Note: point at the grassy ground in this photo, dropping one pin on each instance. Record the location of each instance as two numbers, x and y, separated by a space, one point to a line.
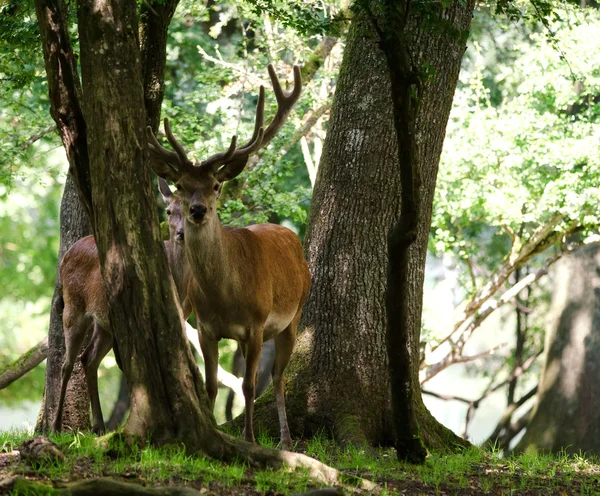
472 472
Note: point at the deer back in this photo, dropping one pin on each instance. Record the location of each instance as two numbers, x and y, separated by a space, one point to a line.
83 287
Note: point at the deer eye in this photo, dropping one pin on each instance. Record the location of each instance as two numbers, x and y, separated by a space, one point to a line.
168 212
216 187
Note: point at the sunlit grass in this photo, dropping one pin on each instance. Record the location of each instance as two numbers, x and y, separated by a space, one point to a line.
474 471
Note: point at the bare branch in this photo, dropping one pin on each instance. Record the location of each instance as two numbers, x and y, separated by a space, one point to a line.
504 421
532 247
447 397
453 358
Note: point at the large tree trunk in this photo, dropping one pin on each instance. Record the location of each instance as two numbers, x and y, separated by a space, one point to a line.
74 224
567 413
338 377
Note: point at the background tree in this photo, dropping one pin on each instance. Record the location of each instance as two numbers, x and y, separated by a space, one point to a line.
338 378
566 415
521 130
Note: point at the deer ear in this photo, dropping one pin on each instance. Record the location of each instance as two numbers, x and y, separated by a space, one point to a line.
165 191
232 170
164 170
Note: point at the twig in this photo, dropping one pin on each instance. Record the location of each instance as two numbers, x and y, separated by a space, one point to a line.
452 358
37 137
447 397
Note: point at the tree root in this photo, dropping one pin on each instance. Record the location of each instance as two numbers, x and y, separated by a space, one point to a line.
105 486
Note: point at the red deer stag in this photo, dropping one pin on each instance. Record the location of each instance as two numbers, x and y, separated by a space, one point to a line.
83 303
249 283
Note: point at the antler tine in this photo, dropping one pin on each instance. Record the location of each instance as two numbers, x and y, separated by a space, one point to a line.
183 160
285 101
255 142
160 151
213 162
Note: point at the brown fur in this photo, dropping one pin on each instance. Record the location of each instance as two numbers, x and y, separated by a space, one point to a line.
249 284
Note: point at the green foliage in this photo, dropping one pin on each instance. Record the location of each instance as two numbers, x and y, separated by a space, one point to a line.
306 17
517 153
24 105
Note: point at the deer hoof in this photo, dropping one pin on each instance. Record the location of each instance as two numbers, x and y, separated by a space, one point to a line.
99 430
287 444
248 436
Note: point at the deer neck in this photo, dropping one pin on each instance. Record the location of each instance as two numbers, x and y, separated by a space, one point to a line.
179 266
207 252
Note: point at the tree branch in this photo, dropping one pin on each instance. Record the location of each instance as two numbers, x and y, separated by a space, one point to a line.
504 421
26 362
64 89
453 358
37 136
532 247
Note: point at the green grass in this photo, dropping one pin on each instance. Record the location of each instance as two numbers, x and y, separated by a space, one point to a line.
473 471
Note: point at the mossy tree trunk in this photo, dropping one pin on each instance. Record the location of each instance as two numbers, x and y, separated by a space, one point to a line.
567 413
338 378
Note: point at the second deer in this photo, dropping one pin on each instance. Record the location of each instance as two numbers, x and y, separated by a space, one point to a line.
250 283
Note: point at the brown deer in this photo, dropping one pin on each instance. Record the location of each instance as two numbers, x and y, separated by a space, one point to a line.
83 303
249 284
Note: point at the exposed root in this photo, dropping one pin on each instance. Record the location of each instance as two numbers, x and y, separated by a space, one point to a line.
228 447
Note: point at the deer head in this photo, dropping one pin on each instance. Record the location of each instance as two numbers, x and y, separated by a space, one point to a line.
199 185
176 219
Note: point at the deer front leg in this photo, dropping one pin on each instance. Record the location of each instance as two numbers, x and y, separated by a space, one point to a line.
75 326
284 345
253 347
99 346
210 350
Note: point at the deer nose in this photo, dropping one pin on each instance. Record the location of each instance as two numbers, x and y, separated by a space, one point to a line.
197 212
179 235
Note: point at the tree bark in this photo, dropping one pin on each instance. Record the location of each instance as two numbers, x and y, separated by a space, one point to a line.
65 90
73 226
567 413
338 378
154 25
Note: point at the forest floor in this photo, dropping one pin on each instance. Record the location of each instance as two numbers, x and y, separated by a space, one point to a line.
474 471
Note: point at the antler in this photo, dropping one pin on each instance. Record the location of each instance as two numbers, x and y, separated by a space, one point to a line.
285 101
176 162
227 165
233 154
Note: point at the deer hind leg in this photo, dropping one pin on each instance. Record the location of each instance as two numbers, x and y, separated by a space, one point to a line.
99 346
284 345
210 350
252 355
75 326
